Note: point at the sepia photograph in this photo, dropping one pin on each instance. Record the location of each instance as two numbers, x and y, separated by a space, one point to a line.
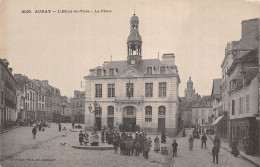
134 83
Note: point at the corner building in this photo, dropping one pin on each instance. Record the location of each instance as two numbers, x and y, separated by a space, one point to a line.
134 91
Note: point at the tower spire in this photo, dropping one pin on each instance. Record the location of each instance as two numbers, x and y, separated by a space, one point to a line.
134 10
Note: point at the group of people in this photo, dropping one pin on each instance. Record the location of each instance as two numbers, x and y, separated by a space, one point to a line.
42 125
216 142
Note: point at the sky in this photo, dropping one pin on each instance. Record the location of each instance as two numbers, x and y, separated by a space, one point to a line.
62 47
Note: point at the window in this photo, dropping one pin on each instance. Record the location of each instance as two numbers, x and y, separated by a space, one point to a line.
148 111
162 89
148 119
110 110
42 106
233 107
98 72
40 99
129 89
247 103
149 70
43 98
111 72
77 104
161 110
162 70
111 90
81 104
98 90
98 111
130 110
148 89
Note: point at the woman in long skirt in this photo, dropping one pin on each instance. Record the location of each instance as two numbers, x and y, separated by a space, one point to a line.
156 144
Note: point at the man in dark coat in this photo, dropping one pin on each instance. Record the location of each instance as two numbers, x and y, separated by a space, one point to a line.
215 151
163 137
81 137
103 135
203 140
174 148
59 127
34 131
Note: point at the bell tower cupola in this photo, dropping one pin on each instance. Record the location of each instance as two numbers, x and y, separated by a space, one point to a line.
134 42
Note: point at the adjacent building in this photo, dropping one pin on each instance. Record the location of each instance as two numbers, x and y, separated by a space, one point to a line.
78 107
7 94
240 89
134 91
38 100
202 112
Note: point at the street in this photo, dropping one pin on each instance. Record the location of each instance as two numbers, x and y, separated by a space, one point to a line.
19 149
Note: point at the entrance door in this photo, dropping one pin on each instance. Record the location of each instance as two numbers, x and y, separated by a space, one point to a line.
129 124
161 124
110 122
98 123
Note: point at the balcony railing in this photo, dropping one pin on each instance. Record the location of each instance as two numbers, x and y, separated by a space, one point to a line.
139 99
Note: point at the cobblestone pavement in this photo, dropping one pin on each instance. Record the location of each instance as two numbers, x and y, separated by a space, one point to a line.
47 151
202 157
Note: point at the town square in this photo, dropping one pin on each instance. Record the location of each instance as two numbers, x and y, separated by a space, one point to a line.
130 83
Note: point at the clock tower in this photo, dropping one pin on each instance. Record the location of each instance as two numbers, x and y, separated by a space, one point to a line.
134 42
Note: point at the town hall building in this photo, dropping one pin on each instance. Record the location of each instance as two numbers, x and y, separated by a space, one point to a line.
134 91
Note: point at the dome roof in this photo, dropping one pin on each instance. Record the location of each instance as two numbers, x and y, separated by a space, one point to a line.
190 81
134 18
134 36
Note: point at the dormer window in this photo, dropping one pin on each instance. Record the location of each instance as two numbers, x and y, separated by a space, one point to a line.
162 70
149 70
98 72
111 72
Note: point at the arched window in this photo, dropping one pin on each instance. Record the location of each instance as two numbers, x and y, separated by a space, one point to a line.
162 110
148 110
110 110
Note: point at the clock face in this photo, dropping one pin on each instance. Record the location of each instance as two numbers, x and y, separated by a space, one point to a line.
132 61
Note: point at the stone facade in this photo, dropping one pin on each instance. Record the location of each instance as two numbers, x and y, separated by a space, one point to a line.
7 94
132 92
78 106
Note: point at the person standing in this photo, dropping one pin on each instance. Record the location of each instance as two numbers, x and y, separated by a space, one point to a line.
174 148
163 137
64 131
191 142
156 144
81 137
34 131
215 151
203 140
103 135
216 141
73 124
59 127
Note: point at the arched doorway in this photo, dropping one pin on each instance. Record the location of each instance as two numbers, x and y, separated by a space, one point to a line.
129 118
161 118
110 117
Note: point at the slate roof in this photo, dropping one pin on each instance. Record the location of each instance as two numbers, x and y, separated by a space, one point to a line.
216 88
122 66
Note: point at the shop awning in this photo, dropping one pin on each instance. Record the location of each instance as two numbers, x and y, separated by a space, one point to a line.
217 120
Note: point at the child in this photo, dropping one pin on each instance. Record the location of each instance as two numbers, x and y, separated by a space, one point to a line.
174 148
